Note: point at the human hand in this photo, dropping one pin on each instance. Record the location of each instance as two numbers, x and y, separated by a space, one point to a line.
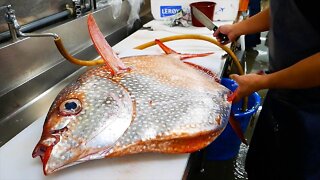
228 30
247 84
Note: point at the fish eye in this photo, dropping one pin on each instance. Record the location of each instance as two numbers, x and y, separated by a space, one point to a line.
70 107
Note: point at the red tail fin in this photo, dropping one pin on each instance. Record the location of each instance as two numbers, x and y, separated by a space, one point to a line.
235 124
237 129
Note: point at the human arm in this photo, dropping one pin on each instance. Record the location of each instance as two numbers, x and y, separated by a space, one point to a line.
304 74
257 23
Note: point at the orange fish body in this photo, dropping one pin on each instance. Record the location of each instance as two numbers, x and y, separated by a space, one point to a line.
157 104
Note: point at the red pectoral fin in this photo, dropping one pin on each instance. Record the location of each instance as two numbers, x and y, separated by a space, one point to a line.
168 50
112 61
237 129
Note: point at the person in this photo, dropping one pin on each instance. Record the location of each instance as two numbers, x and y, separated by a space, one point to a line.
252 40
286 140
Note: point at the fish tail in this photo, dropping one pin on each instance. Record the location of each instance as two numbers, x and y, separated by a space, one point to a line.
236 127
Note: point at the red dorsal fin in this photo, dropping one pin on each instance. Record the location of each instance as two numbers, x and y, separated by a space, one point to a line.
112 62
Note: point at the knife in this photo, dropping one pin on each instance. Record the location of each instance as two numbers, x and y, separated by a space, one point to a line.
208 23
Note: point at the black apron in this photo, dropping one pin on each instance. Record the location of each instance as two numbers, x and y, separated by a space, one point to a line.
286 141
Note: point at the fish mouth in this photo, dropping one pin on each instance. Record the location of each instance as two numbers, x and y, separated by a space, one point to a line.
43 150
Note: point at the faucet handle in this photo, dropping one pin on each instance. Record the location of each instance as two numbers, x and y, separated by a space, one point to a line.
10 16
9 10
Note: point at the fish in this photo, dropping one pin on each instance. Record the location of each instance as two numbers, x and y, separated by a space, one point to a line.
137 104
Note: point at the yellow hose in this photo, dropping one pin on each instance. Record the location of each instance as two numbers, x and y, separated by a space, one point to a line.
70 58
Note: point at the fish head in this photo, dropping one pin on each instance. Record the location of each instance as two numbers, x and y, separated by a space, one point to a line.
84 122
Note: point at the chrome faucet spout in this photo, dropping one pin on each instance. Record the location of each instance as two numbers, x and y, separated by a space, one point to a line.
21 34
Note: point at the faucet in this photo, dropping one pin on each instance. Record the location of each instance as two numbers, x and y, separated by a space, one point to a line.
14 26
16 32
12 22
